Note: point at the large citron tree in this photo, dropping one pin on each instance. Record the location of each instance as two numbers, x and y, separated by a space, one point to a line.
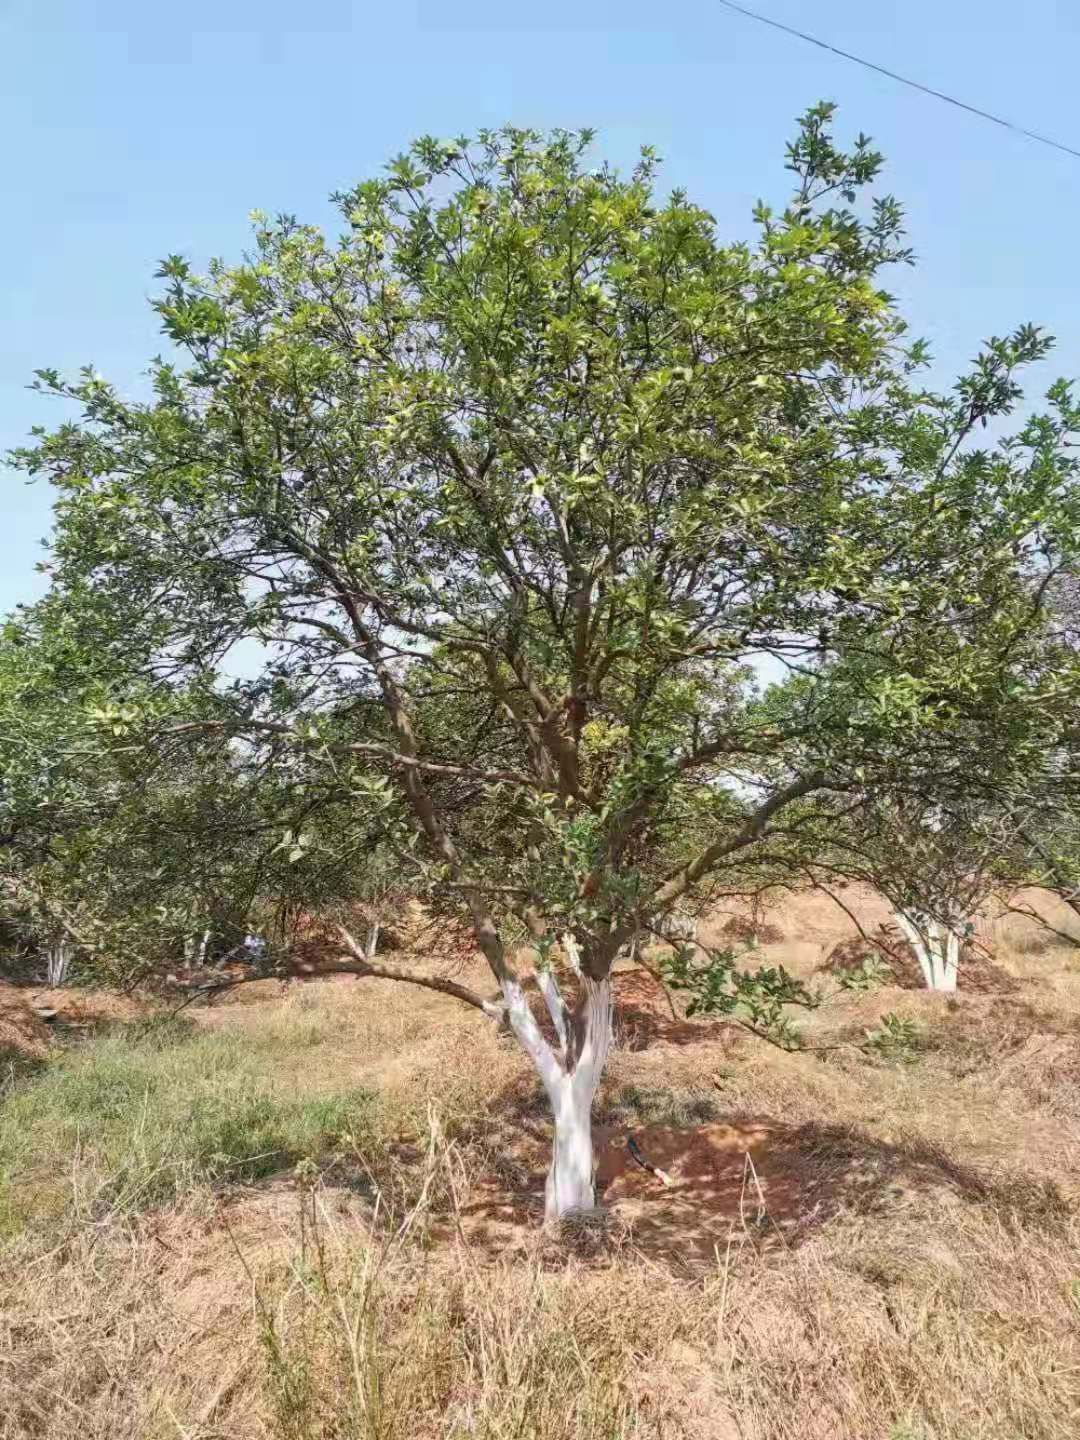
518 485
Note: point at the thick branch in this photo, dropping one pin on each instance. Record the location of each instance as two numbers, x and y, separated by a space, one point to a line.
360 965
553 999
678 883
375 752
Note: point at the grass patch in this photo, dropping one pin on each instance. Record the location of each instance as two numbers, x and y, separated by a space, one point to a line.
16 1066
658 1105
939 1301
147 1113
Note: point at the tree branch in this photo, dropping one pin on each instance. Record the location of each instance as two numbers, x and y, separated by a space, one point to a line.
753 830
360 965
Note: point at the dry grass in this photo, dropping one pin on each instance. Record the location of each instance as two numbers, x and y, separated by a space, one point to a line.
928 1287
944 1324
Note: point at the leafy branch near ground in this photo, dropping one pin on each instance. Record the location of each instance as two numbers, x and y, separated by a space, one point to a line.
757 1000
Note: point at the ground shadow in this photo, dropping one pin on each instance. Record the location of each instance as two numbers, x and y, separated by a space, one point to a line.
749 1181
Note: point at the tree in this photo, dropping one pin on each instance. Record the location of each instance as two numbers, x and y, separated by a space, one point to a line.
937 867
514 485
109 854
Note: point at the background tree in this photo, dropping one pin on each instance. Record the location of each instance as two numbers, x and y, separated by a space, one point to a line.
532 437
115 855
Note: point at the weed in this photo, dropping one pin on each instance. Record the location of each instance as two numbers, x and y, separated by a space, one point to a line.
894 1038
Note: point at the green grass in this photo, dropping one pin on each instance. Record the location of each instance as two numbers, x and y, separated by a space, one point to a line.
658 1105
145 1114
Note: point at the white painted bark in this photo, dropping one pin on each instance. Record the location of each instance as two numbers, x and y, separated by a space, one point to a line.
936 947
677 926
573 952
372 941
569 1186
951 961
58 961
570 1079
549 989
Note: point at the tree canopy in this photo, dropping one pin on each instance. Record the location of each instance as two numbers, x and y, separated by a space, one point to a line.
502 500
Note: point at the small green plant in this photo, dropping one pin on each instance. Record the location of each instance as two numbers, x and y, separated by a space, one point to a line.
907 1430
894 1038
871 972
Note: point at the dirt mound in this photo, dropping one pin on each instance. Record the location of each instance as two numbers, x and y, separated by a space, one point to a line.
32 1018
405 926
723 1181
746 928
85 1008
1047 1068
1015 1046
24 1035
803 917
682 1195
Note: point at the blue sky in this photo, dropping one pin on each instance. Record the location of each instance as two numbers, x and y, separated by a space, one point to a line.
134 129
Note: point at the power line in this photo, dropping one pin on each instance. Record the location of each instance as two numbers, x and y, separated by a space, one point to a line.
892 75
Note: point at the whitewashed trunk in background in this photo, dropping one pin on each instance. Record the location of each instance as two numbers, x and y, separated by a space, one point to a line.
570 1075
678 927
371 941
936 947
195 950
58 961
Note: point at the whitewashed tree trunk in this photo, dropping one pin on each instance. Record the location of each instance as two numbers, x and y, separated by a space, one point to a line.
371 941
936 947
570 1074
678 927
58 961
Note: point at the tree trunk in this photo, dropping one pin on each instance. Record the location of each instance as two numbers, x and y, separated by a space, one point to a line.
58 961
569 1185
936 947
571 1076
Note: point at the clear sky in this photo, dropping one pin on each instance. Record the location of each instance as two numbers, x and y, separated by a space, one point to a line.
131 129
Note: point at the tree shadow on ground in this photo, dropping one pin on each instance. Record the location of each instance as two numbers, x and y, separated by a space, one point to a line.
750 1182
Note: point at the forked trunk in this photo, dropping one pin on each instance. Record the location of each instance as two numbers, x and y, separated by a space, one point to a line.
58 961
570 1074
936 947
